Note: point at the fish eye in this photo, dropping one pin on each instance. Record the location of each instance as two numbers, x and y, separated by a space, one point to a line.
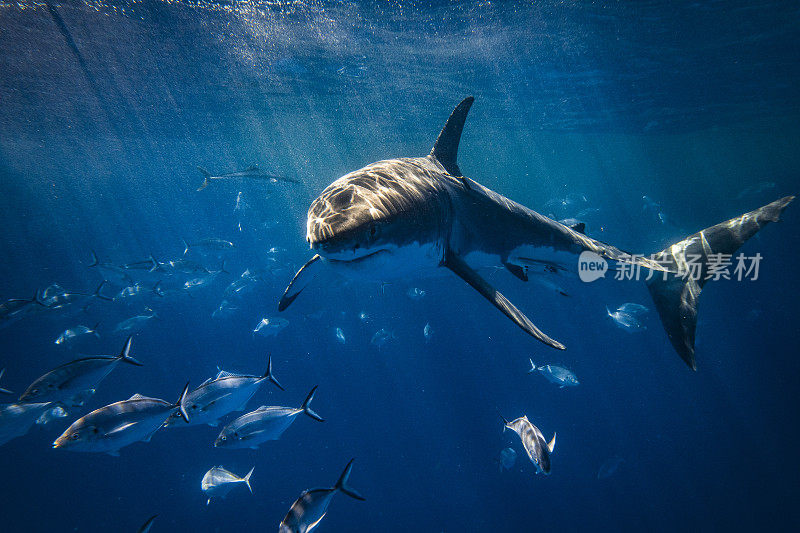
74 436
95 431
223 438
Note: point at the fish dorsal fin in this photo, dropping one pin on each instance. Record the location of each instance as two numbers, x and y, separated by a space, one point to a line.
445 149
262 408
138 396
224 374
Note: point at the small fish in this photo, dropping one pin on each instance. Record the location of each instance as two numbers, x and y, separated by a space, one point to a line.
218 482
340 336
224 310
2 390
131 291
269 327
252 172
122 423
262 425
147 525
609 467
625 321
427 332
69 383
381 337
363 316
632 308
556 374
71 334
222 395
312 505
135 323
508 458
196 283
16 419
537 448
187 266
209 244
415 294
51 414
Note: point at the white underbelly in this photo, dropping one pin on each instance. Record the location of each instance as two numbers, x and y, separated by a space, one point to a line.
409 261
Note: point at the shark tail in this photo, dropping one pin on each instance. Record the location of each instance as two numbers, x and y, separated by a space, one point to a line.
246 479
695 260
306 407
206 178
270 376
342 485
94 262
125 356
533 367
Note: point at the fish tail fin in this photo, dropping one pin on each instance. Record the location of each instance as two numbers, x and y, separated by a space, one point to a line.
154 262
533 367
185 246
552 444
101 296
222 268
4 391
247 479
306 407
37 297
125 356
505 422
181 403
692 262
206 178
270 376
94 330
342 485
158 290
94 262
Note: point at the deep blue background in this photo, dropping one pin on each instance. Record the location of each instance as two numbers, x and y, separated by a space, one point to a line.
106 111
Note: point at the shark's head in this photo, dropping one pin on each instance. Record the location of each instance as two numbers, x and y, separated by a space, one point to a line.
378 211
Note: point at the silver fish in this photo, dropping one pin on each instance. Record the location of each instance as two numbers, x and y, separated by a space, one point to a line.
210 244
122 423
556 374
632 308
252 172
310 508
71 334
222 395
415 294
50 415
269 327
340 336
218 482
537 448
381 337
70 383
262 425
135 323
224 310
625 321
609 467
16 419
508 458
427 332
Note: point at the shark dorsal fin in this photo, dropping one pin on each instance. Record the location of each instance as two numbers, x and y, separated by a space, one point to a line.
445 150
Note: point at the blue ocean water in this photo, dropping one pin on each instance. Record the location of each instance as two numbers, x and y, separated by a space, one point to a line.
582 109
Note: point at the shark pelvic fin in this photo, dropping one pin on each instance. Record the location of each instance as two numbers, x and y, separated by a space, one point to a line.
465 272
445 149
299 282
676 295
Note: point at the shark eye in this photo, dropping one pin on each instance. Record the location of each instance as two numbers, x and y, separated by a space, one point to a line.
373 230
74 436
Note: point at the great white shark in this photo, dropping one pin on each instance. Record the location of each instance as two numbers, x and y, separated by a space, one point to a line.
400 217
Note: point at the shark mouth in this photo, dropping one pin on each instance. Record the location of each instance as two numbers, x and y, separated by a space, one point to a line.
356 260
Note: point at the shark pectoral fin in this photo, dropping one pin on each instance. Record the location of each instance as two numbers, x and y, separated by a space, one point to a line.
299 282
519 271
465 272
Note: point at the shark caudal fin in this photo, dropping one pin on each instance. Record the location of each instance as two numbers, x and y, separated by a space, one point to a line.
206 178
694 259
